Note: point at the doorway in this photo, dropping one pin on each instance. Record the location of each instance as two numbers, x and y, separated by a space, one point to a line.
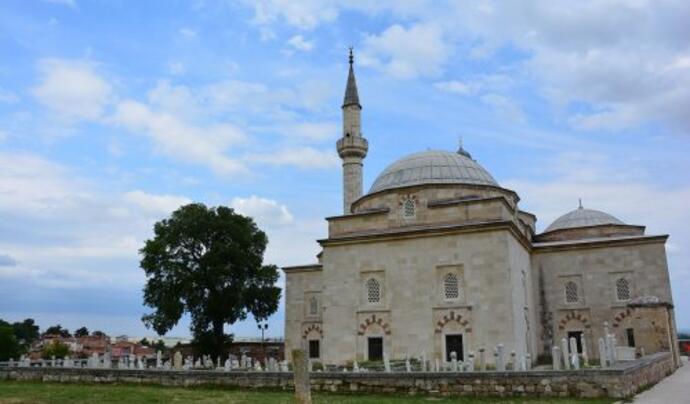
454 344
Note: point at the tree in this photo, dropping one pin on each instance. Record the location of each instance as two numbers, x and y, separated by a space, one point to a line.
99 334
82 332
26 332
10 348
57 330
144 342
207 262
159 345
55 348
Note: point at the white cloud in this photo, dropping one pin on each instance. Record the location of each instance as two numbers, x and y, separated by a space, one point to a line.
177 68
188 33
403 52
7 261
8 97
175 138
70 3
266 212
301 14
71 89
301 157
504 107
298 42
158 204
312 131
455 86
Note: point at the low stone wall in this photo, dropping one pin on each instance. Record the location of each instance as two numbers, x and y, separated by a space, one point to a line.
623 380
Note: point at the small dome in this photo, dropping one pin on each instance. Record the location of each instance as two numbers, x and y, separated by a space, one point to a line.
432 167
582 217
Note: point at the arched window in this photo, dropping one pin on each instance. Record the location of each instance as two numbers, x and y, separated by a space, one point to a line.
451 290
622 289
313 306
373 291
408 209
571 292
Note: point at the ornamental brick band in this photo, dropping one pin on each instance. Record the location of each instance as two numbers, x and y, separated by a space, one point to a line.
621 381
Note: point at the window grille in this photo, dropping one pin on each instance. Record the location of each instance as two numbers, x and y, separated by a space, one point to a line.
313 306
622 289
571 292
373 291
451 289
408 209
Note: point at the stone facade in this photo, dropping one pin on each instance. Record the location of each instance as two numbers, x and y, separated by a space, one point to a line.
624 380
439 257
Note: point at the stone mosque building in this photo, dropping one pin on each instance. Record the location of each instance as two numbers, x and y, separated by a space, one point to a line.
438 257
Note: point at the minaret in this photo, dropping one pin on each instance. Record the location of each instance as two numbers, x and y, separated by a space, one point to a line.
352 147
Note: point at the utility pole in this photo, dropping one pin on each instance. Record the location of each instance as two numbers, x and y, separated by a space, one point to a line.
263 327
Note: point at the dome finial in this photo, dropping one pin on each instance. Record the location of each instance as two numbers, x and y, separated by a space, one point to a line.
461 150
580 201
352 57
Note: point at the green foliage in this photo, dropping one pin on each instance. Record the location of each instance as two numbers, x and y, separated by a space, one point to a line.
10 348
98 334
26 331
57 330
82 332
159 345
683 335
144 342
207 262
56 349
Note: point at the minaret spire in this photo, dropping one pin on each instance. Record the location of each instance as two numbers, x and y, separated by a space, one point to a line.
351 93
352 147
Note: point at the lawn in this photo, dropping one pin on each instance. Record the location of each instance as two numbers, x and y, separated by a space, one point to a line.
30 392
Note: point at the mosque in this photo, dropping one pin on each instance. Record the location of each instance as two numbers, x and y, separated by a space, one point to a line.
438 257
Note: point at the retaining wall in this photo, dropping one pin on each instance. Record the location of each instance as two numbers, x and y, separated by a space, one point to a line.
622 380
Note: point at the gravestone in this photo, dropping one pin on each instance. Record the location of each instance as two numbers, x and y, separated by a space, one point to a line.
585 354
574 357
437 367
603 354
386 363
407 365
482 359
159 359
454 361
301 375
513 360
500 358
177 360
528 362
355 367
556 357
566 354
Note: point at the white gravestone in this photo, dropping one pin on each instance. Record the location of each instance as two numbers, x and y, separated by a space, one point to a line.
500 358
574 357
556 357
566 354
603 354
482 360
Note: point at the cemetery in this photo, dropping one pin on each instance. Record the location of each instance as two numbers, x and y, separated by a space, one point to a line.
571 373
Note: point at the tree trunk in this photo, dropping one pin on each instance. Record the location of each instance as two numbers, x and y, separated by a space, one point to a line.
218 340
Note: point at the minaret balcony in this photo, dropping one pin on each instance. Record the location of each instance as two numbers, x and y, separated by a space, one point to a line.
352 146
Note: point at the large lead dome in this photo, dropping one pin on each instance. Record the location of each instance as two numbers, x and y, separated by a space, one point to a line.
433 167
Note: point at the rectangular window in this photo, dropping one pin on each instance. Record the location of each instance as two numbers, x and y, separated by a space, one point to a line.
314 349
630 336
578 339
375 348
454 344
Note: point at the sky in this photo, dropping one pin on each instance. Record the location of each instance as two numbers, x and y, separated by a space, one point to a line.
114 113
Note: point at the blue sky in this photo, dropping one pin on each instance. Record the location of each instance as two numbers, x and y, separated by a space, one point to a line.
113 114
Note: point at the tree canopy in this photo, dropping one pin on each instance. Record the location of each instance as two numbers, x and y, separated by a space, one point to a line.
207 262
81 332
57 330
10 348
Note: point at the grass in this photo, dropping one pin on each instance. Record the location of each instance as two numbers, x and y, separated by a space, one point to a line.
56 393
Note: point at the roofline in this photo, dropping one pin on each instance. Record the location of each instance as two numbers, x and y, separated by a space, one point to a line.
430 231
370 212
434 184
551 246
594 226
524 212
303 268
